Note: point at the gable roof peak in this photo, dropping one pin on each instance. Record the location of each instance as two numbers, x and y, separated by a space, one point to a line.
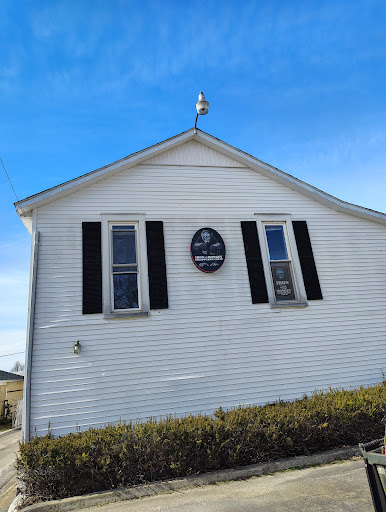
25 206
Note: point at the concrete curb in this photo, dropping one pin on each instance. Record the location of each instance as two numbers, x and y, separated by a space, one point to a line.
9 431
130 493
14 506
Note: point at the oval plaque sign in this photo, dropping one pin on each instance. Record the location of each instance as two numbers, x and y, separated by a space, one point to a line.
207 250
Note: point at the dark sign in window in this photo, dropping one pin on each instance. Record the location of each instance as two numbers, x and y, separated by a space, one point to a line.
282 281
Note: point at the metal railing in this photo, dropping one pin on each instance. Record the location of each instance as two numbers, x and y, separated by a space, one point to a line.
375 463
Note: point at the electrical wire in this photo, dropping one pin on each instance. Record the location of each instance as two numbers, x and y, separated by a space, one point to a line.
10 182
14 354
9 179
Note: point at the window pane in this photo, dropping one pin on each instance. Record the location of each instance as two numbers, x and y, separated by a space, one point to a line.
124 247
125 291
276 243
124 228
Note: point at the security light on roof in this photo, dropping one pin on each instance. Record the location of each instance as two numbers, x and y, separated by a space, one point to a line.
202 107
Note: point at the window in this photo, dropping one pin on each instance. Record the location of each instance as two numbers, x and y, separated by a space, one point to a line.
125 284
124 269
281 263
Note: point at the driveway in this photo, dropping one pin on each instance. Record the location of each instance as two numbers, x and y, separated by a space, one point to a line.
8 448
339 487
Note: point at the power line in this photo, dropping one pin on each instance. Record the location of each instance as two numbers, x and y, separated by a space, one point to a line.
14 354
10 182
9 179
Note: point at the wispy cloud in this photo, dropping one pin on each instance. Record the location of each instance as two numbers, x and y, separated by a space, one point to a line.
346 167
113 48
96 69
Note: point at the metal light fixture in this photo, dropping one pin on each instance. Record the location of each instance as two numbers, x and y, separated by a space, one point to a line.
202 107
77 347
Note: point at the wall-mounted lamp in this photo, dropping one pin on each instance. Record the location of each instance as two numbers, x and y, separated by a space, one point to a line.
77 347
202 107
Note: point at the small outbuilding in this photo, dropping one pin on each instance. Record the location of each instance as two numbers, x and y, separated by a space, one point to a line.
190 276
11 392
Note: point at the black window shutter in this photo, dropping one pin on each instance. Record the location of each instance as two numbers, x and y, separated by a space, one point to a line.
92 267
307 262
254 262
158 287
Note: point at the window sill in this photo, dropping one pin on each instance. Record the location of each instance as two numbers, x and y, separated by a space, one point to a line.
293 305
126 314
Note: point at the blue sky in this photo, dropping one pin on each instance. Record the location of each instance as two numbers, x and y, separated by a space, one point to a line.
300 85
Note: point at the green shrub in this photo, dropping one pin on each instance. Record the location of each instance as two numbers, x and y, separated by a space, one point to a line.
133 453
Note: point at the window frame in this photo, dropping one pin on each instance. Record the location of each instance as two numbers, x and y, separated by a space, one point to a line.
138 221
284 220
114 267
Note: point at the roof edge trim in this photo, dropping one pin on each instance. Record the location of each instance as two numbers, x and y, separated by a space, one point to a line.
290 181
69 187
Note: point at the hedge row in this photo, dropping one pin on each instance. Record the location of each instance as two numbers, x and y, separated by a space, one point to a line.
133 453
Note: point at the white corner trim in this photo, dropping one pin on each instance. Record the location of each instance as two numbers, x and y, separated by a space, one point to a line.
30 330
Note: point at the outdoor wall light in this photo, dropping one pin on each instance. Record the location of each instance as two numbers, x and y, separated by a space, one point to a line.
202 107
77 347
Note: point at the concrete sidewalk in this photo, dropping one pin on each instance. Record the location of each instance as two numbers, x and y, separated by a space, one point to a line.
337 487
9 445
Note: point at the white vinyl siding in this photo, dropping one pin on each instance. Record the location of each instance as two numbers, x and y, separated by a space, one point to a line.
193 153
212 347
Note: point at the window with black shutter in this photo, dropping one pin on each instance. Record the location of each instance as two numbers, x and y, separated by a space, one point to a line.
124 268
92 268
280 261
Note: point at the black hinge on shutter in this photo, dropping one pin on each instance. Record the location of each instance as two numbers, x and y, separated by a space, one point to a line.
307 262
158 288
92 268
254 262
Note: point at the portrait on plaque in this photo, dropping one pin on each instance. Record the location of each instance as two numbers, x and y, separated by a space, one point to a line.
207 250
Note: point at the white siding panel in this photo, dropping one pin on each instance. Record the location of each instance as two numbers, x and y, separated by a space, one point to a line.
212 347
193 153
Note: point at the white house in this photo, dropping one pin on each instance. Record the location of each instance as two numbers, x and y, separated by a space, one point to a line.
195 276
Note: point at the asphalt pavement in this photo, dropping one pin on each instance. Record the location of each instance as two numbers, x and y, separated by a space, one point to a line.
8 449
338 487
